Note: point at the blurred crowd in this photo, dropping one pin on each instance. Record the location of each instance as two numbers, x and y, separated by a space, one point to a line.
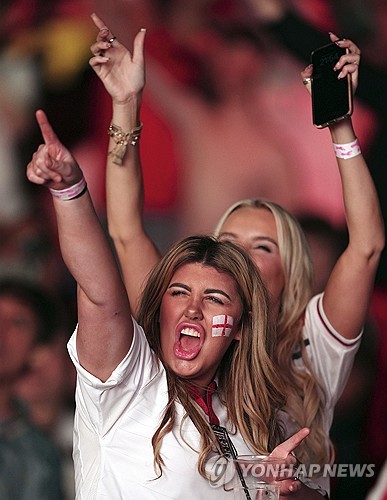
223 102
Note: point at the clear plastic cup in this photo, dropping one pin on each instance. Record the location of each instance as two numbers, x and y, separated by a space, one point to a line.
255 477
258 490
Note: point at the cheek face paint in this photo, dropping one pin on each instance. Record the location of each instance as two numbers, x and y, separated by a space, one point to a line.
222 325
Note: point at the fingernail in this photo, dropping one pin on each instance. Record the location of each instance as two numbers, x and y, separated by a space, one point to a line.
340 75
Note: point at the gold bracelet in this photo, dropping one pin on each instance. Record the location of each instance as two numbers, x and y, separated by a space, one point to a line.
122 139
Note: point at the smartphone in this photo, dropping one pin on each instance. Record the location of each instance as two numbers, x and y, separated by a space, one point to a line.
331 97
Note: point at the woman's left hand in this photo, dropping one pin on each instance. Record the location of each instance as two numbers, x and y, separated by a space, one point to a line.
348 64
289 485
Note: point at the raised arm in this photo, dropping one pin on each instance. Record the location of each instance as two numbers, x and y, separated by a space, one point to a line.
349 288
123 76
105 327
300 37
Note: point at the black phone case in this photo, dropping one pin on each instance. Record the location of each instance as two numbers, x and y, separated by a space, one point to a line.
331 97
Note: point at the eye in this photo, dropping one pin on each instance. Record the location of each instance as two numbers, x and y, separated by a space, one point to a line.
265 248
214 299
178 292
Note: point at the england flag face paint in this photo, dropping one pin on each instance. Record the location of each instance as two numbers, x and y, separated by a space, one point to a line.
222 325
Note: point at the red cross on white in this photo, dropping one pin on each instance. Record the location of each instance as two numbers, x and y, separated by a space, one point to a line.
222 325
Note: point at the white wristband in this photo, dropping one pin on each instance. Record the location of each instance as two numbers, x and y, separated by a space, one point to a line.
71 192
346 151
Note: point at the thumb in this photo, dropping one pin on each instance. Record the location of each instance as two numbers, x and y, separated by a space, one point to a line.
138 46
285 448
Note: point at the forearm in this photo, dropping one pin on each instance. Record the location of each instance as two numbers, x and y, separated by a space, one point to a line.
362 210
349 288
124 185
124 191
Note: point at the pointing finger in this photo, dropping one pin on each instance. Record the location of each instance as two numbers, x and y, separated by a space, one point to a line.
104 32
48 133
283 450
97 21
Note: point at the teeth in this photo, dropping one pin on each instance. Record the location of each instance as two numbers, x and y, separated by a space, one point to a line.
190 332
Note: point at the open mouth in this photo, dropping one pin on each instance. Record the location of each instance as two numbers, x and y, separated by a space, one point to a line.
189 343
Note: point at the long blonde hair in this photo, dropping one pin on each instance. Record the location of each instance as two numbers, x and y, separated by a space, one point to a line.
248 382
305 395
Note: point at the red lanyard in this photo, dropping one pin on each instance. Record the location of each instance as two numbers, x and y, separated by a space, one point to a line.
221 433
206 402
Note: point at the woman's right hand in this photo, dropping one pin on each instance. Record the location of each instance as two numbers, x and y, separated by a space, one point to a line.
52 165
121 72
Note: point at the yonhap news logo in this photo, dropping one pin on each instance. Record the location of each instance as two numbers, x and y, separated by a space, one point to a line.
223 472
220 471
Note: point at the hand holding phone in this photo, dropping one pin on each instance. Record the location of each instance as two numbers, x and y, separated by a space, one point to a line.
331 96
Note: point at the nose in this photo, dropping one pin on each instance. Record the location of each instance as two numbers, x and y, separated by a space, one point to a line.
193 310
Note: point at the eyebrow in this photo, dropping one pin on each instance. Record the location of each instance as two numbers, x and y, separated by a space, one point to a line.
207 291
255 238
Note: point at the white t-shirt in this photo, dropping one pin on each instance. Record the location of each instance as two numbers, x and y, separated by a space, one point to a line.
114 424
115 420
331 356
